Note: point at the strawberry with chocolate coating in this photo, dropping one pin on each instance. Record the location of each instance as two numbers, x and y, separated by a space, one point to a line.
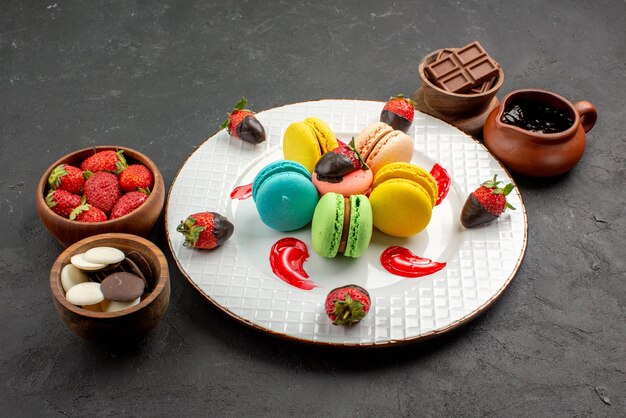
398 113
243 124
108 160
347 305
205 230
67 177
338 162
486 203
62 202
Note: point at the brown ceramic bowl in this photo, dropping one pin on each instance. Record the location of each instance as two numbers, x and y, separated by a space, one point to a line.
455 104
125 326
139 222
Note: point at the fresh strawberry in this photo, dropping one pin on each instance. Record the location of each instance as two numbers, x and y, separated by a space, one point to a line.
347 305
87 213
206 230
68 178
128 203
102 190
243 124
135 177
398 113
112 161
486 203
62 202
340 161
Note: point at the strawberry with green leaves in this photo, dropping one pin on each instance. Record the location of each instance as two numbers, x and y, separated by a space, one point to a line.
347 305
398 113
128 203
205 230
87 213
486 203
62 202
340 161
242 124
136 177
66 177
108 160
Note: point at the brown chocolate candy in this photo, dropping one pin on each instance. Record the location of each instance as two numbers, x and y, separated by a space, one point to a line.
460 70
142 264
122 287
129 266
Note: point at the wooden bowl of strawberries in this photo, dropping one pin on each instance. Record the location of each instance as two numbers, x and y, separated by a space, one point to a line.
98 190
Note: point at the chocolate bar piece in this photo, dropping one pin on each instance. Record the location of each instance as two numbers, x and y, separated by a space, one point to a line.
460 70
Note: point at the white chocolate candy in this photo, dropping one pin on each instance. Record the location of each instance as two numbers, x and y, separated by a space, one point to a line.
71 276
113 306
104 255
79 261
85 294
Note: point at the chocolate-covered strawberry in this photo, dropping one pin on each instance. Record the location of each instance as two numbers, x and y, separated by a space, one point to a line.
337 163
486 203
243 124
205 230
347 305
68 178
398 113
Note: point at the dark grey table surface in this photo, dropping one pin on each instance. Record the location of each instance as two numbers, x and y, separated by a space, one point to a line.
159 77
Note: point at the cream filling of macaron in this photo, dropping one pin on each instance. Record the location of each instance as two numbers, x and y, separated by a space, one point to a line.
345 232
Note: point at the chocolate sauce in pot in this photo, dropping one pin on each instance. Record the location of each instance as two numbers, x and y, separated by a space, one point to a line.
537 117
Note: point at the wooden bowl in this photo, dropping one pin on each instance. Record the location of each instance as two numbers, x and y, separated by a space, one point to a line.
455 104
139 222
125 326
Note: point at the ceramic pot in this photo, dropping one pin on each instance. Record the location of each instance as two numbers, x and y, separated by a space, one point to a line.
539 154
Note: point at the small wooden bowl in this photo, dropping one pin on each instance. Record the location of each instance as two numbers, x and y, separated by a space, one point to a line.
115 328
139 222
455 104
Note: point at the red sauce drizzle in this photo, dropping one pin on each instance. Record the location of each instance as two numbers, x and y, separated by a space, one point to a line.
241 192
402 262
442 178
286 258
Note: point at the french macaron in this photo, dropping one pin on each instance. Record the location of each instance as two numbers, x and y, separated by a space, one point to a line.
284 195
379 144
342 171
305 142
402 198
342 225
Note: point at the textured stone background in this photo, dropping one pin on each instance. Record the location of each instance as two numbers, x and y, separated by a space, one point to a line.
158 76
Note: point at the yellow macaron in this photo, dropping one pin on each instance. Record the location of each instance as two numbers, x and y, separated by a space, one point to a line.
402 199
305 142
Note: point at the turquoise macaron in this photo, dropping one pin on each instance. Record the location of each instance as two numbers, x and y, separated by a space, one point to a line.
342 225
284 195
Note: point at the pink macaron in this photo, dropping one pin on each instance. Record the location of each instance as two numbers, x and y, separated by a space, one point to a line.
356 182
379 144
342 171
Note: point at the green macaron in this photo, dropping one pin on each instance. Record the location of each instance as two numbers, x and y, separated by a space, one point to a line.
342 225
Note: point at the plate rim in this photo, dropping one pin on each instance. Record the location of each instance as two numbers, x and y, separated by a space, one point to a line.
361 345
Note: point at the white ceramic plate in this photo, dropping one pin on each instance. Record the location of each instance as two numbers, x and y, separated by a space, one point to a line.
237 277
